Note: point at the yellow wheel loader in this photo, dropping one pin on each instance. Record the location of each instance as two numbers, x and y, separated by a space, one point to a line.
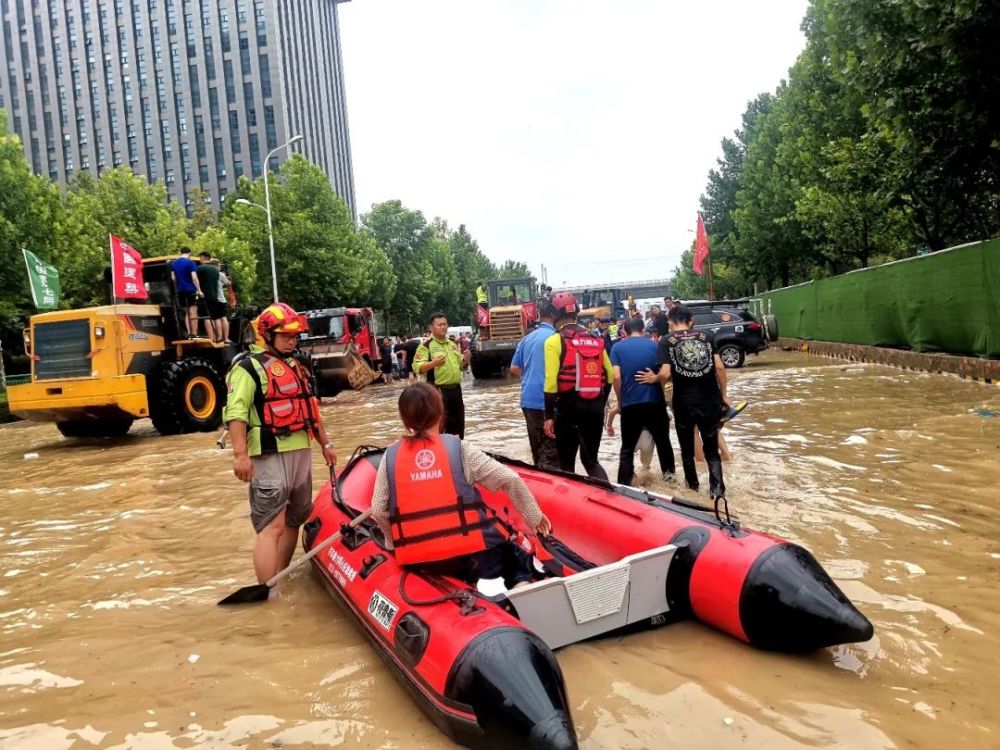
97 369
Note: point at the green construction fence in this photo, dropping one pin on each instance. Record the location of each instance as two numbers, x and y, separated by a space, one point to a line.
948 301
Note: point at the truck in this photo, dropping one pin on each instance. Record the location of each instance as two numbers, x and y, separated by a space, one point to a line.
342 348
95 370
512 312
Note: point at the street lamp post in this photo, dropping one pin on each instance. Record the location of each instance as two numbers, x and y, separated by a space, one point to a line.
267 208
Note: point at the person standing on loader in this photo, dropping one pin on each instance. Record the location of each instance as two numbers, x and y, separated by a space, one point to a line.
184 274
578 379
272 414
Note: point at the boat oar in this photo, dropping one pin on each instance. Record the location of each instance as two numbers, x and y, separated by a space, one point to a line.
259 591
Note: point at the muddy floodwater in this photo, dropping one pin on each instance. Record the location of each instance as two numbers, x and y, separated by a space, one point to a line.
113 554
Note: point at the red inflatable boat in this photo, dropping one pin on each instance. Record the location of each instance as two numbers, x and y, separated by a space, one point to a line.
482 667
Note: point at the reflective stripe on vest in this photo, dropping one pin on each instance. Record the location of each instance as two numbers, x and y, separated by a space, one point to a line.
582 367
434 512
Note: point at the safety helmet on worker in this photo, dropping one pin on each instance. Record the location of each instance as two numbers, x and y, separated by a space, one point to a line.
562 304
280 318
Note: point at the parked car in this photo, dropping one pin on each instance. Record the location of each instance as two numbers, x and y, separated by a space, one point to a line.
734 332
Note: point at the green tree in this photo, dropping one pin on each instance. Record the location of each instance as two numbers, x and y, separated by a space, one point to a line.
119 203
321 258
769 239
727 281
470 267
718 202
446 293
928 75
235 253
30 216
405 237
203 215
513 269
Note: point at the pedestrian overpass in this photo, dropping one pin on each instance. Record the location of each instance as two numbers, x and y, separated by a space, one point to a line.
645 288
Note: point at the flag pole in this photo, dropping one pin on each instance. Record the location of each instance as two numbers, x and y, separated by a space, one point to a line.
27 266
111 249
711 286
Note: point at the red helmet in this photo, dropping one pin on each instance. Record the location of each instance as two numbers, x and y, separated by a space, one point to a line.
563 303
280 318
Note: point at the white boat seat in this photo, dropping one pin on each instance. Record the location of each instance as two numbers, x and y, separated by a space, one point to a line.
586 604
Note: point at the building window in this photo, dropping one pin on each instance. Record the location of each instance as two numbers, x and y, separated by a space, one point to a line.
270 128
227 68
265 76
220 160
254 156
209 59
213 105
195 90
234 130
203 173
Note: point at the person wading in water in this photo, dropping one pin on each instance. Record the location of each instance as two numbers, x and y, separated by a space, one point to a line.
272 413
699 399
578 379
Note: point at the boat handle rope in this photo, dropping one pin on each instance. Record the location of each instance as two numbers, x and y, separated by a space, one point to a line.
728 525
466 600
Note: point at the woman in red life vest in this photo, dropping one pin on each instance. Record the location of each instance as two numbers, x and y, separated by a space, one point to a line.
426 501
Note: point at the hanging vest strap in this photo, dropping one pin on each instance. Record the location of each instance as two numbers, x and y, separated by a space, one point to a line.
268 440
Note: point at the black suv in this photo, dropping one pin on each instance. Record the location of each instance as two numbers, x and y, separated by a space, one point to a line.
734 332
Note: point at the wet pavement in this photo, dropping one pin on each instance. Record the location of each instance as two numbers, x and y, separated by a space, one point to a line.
113 554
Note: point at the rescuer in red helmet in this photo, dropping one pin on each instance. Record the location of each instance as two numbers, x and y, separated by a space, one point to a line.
272 414
578 378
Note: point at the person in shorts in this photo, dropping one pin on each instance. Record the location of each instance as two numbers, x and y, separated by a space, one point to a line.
184 273
209 283
272 415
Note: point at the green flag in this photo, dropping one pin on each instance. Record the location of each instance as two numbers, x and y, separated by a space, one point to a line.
44 280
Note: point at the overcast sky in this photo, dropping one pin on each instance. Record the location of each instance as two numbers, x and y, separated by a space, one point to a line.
573 133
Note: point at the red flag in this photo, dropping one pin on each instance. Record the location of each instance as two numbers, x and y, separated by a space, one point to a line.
482 316
126 271
529 312
700 247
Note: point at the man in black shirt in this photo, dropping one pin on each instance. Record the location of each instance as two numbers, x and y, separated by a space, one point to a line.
699 401
410 347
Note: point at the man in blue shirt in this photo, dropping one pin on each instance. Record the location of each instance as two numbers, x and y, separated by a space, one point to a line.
642 405
529 365
183 271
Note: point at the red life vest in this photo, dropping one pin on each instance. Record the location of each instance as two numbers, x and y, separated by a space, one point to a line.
288 405
434 512
582 367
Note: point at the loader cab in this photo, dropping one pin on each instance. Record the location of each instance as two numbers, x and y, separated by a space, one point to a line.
160 287
598 304
510 292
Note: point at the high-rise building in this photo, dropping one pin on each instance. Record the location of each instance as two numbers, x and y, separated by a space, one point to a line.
191 92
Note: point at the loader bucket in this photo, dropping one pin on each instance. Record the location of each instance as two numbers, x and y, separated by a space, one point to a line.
338 367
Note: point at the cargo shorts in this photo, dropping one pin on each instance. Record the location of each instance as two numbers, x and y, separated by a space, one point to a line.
281 481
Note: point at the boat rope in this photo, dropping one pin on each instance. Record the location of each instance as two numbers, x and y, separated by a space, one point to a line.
726 523
465 599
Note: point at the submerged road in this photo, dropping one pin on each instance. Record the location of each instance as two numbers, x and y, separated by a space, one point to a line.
113 554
